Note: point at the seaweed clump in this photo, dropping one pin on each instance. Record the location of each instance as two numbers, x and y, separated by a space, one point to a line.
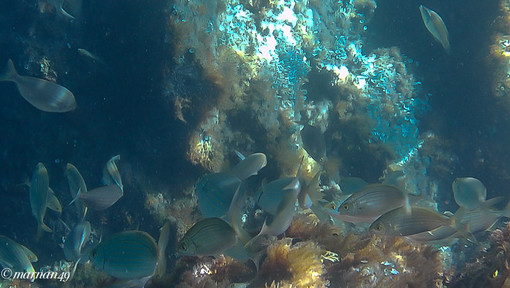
364 260
293 265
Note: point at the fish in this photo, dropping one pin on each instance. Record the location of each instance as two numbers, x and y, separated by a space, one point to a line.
271 195
482 218
469 192
39 186
76 183
90 55
436 27
164 236
52 201
100 198
58 4
126 255
76 240
370 202
278 223
16 256
208 237
111 174
42 94
249 166
399 222
314 142
239 250
215 192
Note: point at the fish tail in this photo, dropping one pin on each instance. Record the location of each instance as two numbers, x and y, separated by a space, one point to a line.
45 227
10 72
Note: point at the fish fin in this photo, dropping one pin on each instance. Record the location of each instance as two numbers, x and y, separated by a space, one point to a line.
31 255
162 244
407 204
234 215
10 72
493 201
76 197
45 227
52 202
74 269
64 13
241 156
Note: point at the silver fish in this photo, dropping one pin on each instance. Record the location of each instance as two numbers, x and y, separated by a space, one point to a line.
76 183
16 256
249 166
75 241
111 174
481 218
42 94
100 198
208 237
369 203
90 55
164 236
126 255
215 192
271 195
39 186
469 192
436 27
279 222
399 222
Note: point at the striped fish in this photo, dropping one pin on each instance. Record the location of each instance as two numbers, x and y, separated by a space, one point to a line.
16 256
208 237
215 192
400 222
126 255
372 201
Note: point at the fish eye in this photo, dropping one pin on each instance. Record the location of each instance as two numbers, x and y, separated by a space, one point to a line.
182 246
345 206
